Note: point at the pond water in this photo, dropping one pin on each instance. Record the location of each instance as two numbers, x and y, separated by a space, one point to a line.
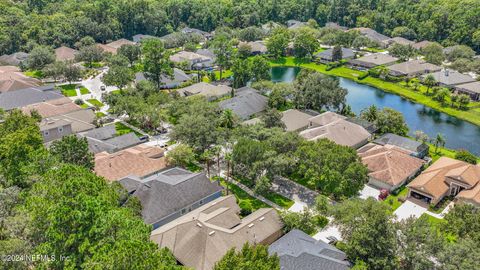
458 133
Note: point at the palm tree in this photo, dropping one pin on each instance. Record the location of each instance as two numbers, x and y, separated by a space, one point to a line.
370 113
207 157
228 158
439 140
454 98
429 81
228 118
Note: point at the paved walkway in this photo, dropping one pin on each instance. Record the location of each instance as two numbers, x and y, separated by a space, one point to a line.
294 191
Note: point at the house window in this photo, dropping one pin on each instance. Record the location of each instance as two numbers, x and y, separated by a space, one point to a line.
60 129
46 133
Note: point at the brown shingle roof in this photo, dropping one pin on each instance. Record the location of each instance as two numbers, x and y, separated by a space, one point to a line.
52 107
65 53
389 164
12 79
201 237
433 180
295 120
140 160
119 43
470 195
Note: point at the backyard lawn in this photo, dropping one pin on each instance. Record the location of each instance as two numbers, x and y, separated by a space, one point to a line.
95 102
272 196
100 114
37 74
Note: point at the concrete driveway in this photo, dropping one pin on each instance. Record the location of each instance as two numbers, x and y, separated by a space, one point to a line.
409 209
330 230
368 192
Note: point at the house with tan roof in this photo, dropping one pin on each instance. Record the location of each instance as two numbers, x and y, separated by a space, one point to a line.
12 79
422 44
472 89
57 126
65 53
113 46
373 60
398 40
52 107
256 47
194 60
140 160
296 120
336 128
389 167
210 91
202 237
413 68
447 177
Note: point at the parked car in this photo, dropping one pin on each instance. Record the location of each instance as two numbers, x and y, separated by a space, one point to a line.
102 88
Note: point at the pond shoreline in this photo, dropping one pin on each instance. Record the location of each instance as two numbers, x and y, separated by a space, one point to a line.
472 115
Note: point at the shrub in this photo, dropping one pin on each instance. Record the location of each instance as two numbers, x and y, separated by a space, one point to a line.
246 208
363 75
466 156
79 102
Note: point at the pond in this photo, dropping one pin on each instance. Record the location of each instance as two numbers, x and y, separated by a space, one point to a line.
458 133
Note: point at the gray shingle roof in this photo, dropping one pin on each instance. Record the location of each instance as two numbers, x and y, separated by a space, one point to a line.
451 77
13 59
139 37
23 97
105 139
179 76
247 102
402 142
328 54
169 191
299 251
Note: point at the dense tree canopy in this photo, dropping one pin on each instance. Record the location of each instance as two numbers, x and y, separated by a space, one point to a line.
56 23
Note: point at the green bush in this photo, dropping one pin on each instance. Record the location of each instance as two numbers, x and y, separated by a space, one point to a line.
363 75
246 208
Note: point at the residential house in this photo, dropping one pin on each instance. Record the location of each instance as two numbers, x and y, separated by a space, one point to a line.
193 60
256 47
397 40
422 44
327 55
119 43
55 129
140 37
336 128
210 91
294 24
245 103
12 79
202 237
373 60
179 77
414 148
334 25
472 89
14 59
27 96
65 53
168 195
141 160
447 177
59 111
106 139
189 31
450 78
389 167
412 68
372 35
106 49
210 54
299 251
269 26
296 120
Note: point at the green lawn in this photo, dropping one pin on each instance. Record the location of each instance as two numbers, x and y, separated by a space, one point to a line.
68 90
393 201
123 129
245 201
95 102
84 91
279 200
37 74
84 106
225 74
100 114
471 115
